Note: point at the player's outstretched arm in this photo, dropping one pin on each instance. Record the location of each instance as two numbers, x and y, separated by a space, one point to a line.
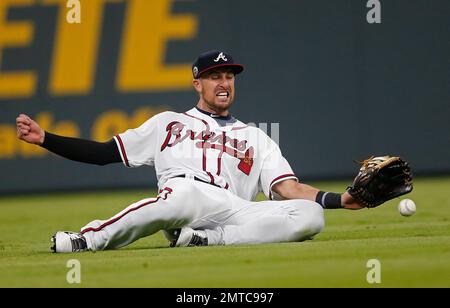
85 151
291 189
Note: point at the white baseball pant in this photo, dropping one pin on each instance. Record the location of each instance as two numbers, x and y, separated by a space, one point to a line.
227 218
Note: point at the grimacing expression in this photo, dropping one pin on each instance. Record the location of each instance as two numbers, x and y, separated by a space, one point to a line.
216 88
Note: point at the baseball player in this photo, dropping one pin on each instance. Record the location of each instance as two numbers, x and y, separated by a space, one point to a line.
209 166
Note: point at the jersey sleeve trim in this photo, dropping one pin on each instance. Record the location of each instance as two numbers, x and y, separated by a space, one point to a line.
279 179
123 153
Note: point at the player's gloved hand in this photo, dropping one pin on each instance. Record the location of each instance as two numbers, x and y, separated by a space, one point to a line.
380 179
28 130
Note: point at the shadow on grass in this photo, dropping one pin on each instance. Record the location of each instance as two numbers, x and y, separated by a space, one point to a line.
144 248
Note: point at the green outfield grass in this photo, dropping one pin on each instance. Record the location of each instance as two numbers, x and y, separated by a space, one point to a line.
413 251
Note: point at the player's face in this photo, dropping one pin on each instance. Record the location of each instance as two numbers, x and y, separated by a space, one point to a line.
216 90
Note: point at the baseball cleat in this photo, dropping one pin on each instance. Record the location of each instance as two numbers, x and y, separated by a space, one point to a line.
67 242
189 237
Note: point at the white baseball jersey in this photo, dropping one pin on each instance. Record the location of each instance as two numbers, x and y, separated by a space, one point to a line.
235 156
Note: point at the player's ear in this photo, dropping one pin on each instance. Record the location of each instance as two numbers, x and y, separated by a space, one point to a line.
197 85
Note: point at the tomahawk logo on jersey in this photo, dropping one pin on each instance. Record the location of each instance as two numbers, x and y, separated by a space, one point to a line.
237 157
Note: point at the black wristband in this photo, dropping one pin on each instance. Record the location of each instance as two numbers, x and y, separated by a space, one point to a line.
329 200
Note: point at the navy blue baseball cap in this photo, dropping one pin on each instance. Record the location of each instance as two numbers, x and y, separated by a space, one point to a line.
214 59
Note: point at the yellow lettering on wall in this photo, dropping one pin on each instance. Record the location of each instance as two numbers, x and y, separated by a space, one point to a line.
15 34
143 114
148 27
114 122
8 144
66 128
75 50
109 124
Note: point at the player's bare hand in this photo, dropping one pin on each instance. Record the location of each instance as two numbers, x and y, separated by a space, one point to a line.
350 203
28 130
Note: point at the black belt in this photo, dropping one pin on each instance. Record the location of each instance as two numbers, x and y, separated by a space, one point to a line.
197 179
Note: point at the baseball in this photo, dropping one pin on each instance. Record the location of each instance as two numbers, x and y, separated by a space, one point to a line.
407 207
